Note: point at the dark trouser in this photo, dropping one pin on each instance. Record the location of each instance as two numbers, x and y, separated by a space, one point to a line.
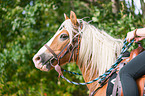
130 72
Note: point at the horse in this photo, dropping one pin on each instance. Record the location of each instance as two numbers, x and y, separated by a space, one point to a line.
93 50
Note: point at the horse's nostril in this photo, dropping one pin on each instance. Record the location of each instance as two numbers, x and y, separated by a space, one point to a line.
38 58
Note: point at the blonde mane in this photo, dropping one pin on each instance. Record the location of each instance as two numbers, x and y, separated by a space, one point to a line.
98 50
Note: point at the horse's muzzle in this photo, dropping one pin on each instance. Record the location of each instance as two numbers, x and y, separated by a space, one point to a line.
42 62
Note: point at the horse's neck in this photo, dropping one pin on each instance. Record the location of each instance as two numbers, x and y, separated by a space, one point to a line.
91 86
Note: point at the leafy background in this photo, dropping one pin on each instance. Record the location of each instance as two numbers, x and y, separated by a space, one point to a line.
26 25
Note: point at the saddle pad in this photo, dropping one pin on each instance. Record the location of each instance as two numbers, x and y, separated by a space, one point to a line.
111 83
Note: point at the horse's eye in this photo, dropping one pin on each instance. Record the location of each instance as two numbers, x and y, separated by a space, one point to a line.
64 36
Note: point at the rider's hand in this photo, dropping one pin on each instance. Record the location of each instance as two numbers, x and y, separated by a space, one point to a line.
130 35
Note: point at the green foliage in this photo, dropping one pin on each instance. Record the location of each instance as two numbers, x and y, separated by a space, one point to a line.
25 28
26 25
116 25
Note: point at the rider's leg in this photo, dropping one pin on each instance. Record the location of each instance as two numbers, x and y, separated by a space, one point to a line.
130 72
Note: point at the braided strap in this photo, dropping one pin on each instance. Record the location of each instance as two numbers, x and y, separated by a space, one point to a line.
70 72
102 77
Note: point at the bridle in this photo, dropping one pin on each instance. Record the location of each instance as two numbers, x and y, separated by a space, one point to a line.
68 48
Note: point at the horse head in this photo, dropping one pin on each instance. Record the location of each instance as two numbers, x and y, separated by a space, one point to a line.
61 48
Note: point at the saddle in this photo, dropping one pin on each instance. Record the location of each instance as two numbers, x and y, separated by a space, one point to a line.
114 84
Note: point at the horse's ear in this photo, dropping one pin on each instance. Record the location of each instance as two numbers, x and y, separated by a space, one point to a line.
73 19
66 16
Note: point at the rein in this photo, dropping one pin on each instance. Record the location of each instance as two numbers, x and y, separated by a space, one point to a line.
102 77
